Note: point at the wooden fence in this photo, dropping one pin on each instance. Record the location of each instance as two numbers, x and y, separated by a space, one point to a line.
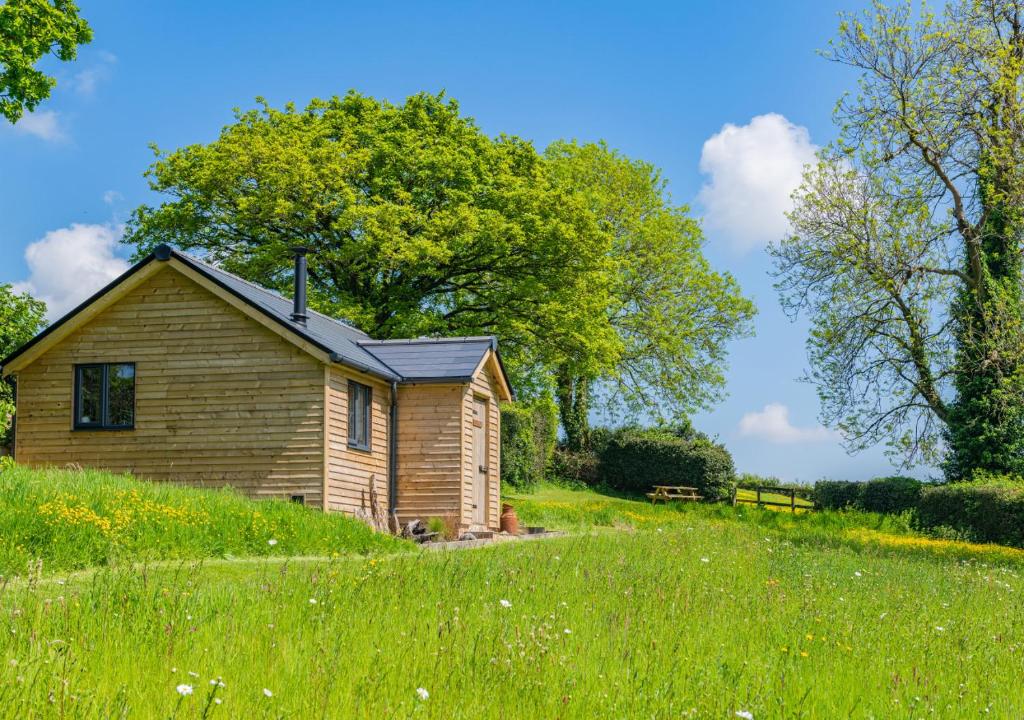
759 500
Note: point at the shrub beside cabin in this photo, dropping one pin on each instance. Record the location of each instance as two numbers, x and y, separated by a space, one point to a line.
180 371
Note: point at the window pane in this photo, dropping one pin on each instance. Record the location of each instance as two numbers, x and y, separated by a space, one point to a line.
352 411
90 396
121 395
366 416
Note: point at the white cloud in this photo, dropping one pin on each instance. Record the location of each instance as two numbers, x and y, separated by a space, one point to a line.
45 125
112 196
85 81
772 424
753 169
68 265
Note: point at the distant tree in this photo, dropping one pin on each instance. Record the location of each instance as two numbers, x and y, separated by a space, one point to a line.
29 30
418 223
21 317
907 238
671 312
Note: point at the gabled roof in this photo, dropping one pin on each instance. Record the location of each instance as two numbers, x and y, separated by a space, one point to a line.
418 360
432 359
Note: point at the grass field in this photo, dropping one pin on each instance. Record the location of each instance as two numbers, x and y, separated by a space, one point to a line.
646 612
70 520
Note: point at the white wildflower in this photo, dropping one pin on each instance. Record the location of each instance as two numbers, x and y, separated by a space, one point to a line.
267 692
217 701
939 628
422 692
856 573
705 560
193 674
505 603
567 631
745 715
271 542
312 601
184 689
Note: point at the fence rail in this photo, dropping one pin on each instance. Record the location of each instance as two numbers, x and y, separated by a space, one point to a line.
759 500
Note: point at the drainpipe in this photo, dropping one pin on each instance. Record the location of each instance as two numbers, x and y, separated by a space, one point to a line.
393 456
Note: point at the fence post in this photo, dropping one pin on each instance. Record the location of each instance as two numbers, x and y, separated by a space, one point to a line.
792 501
759 497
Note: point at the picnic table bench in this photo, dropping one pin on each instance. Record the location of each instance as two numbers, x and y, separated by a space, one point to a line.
673 492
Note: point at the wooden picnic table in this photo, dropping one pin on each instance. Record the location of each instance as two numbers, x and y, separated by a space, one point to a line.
673 492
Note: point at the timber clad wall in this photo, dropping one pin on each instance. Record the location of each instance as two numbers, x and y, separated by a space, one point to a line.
483 387
220 399
429 450
349 470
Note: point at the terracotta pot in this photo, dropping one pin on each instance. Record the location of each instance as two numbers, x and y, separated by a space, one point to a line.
509 521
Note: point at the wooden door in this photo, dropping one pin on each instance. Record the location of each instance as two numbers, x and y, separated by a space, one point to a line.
480 469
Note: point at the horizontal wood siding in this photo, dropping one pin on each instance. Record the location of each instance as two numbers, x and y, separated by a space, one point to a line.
429 451
485 387
220 399
349 471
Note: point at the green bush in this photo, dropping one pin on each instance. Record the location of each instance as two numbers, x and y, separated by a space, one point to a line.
753 481
837 494
518 451
575 468
890 495
634 461
528 435
990 511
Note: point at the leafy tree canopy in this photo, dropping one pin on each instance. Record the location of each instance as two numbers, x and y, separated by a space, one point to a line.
29 30
671 312
21 318
906 240
418 223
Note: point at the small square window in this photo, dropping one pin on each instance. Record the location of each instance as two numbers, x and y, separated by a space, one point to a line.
105 396
359 417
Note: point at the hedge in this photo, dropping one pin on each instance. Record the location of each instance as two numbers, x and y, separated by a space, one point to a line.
635 461
837 494
983 512
528 434
890 495
575 468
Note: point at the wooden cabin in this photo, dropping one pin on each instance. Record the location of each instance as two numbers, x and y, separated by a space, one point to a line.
179 371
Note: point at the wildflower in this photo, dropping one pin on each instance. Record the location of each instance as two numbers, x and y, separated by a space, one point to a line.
745 715
505 603
184 690
856 573
193 674
809 636
705 560
271 542
267 692
785 649
803 653
218 682
939 628
422 692
567 631
312 601
217 701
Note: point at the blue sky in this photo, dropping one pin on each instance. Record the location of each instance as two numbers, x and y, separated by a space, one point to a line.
728 98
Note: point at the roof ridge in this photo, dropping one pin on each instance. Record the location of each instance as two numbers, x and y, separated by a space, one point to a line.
429 341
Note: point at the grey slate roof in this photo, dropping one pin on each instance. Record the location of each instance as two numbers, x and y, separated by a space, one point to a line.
422 359
436 359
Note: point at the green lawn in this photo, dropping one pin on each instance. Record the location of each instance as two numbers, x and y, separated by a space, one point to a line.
690 611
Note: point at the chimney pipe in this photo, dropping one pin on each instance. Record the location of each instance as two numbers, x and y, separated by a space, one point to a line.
299 310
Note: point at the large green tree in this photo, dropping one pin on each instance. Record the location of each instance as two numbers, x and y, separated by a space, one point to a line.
671 312
21 317
418 223
30 30
906 245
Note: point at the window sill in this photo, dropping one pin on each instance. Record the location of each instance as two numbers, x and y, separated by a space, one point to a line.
102 428
360 448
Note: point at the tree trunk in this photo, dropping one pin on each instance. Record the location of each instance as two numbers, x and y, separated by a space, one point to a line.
573 409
